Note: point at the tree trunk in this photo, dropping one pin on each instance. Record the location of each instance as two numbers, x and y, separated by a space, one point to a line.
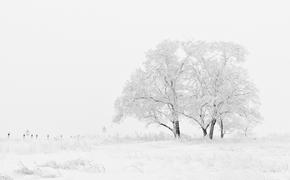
245 132
222 129
204 131
212 128
176 129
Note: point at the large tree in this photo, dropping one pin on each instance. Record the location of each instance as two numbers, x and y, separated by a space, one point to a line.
153 93
199 80
228 85
217 86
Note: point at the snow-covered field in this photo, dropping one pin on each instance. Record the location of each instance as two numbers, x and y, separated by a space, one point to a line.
244 159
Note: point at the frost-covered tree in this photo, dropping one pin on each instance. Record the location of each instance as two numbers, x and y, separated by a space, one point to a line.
217 85
154 92
199 80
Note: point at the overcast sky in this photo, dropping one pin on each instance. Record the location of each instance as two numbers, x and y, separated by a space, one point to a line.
63 63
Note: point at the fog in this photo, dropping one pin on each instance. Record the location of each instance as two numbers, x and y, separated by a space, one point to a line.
63 63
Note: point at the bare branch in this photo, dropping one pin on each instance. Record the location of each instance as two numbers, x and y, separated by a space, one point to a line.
191 117
164 125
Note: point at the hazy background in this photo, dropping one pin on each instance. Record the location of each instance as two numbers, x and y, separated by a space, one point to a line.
63 63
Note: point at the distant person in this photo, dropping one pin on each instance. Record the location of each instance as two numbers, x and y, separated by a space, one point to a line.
47 136
23 136
36 136
8 135
31 136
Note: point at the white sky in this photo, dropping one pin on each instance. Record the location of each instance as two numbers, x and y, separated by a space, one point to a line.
62 63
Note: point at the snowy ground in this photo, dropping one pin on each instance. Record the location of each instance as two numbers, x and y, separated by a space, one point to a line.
168 160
